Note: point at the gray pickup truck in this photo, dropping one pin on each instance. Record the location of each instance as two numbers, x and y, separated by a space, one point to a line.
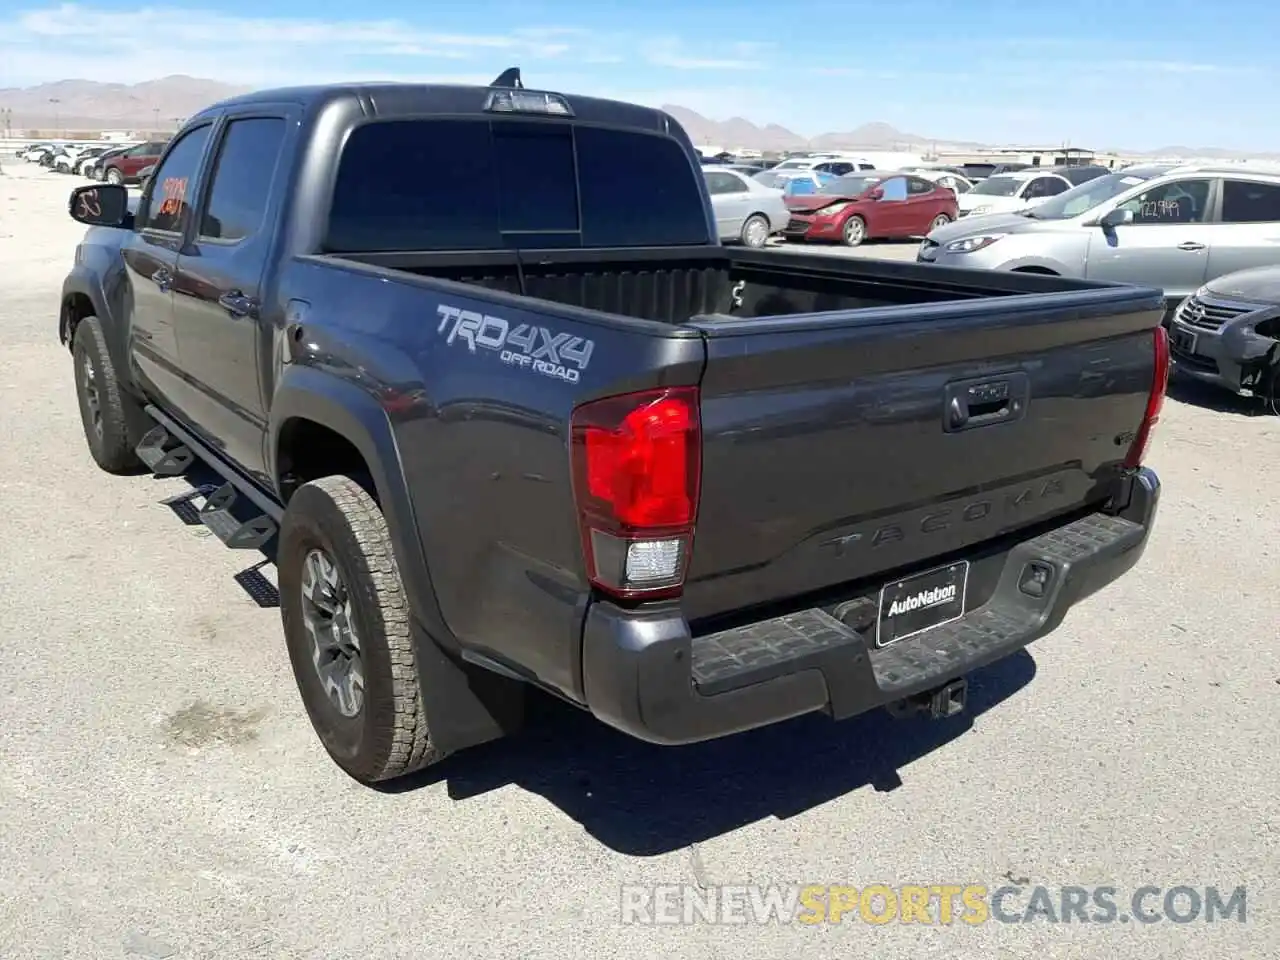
478 376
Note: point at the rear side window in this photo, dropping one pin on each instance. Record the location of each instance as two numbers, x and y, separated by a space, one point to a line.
480 184
1245 201
242 178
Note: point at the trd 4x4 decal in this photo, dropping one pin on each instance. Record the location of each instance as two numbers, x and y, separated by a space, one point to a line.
559 355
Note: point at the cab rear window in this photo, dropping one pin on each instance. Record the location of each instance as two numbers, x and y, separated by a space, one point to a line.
483 184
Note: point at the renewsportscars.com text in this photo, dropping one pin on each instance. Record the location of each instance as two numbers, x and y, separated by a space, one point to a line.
933 904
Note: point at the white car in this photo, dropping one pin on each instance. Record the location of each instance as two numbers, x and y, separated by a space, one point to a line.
1008 192
945 178
746 211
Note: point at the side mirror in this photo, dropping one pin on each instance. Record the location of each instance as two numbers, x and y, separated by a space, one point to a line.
1116 218
101 205
875 193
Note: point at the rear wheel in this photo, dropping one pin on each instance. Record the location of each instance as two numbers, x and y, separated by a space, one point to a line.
346 623
855 231
940 221
755 231
106 411
114 176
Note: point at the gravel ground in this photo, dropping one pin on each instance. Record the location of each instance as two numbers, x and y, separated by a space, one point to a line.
161 794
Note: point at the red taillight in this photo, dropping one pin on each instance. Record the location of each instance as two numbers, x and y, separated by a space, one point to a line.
1155 402
637 464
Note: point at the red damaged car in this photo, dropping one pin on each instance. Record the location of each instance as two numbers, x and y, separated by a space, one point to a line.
870 205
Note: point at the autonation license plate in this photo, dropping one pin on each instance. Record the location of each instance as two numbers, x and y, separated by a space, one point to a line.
922 602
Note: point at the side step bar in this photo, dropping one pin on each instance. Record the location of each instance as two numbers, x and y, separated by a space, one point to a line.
170 451
164 454
248 534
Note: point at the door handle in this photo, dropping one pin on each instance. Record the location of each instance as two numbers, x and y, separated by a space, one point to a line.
979 403
1191 245
237 304
162 279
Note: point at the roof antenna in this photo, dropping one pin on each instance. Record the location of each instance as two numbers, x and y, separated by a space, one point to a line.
509 78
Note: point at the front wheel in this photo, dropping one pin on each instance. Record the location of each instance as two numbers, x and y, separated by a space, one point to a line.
106 410
855 231
114 176
346 624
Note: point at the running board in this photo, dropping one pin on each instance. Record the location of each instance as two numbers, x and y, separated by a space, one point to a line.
164 454
237 534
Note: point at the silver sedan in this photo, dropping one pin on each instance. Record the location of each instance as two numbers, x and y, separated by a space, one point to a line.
746 211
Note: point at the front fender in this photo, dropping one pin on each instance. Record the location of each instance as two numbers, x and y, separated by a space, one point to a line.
88 281
1241 340
83 282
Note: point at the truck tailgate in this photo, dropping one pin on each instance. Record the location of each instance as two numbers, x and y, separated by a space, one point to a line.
845 446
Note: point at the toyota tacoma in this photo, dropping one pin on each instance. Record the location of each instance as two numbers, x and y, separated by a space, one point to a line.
475 372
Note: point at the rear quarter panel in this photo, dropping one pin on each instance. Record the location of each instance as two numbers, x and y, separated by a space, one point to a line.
483 442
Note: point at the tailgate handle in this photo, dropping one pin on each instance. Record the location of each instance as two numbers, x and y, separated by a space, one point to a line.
980 403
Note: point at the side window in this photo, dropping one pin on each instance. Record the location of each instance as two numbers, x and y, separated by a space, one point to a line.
917 186
1042 187
242 178
1244 201
722 183
169 194
1180 201
895 188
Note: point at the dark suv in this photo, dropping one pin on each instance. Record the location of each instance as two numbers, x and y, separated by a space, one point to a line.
125 167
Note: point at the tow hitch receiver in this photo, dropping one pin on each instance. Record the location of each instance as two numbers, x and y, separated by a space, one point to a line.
939 703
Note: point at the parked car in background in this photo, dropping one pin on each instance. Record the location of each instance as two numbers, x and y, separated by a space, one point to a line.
792 183
746 211
89 157
70 160
1173 227
37 151
1005 192
866 206
93 169
1227 333
33 151
836 166
954 182
125 166
980 171
1080 173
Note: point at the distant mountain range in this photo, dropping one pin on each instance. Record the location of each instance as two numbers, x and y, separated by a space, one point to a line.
84 105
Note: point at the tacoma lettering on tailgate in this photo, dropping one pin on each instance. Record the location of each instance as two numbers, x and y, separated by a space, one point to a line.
559 355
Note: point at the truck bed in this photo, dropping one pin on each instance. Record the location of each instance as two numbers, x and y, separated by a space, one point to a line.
674 285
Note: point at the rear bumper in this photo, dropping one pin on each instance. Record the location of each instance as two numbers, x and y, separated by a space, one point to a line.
646 676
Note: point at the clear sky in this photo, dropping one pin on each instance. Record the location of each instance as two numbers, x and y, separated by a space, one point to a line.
1121 73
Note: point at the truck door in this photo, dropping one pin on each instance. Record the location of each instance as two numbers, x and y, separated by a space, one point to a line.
218 311
151 255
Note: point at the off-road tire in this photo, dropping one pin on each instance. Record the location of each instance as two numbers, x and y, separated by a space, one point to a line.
389 736
113 450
